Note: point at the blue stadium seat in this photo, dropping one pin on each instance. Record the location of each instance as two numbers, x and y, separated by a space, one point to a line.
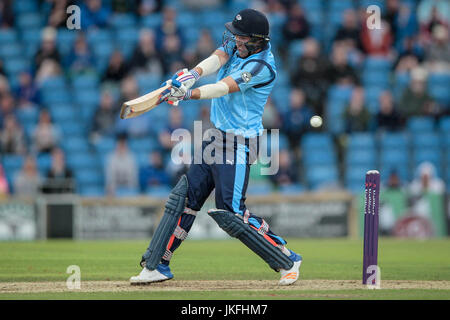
72 128
28 116
123 192
158 191
91 190
316 141
8 36
259 189
151 21
403 171
25 6
394 156
54 83
44 162
420 124
355 176
394 140
10 51
379 79
319 157
12 162
444 124
88 160
363 140
105 145
87 97
426 140
372 97
366 157
446 139
29 20
429 155
89 177
374 63
319 176
75 145
62 113
291 189
122 20
441 94
85 81
65 39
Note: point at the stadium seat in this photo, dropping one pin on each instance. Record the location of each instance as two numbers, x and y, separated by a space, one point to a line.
75 145
44 162
88 160
122 20
394 140
319 176
28 20
367 157
394 156
158 191
316 141
319 157
444 124
259 189
361 140
426 140
432 155
291 189
420 124
89 177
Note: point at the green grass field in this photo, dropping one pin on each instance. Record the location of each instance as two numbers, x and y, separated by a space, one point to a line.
228 260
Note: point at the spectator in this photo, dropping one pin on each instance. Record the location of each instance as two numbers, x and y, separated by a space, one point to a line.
27 91
94 14
409 57
271 117
310 74
339 71
48 69
426 181
164 136
437 54
80 60
172 54
46 135
12 137
7 106
287 173
28 181
117 68
168 27
121 171
205 118
296 25
47 50
431 13
356 114
394 181
415 99
377 41
153 174
59 178
203 48
145 57
58 15
138 126
147 7
4 185
6 14
349 32
105 117
387 117
295 122
391 15
405 24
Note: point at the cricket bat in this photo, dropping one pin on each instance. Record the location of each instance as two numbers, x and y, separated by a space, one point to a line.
142 104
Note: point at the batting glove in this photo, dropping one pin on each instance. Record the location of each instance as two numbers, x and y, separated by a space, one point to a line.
188 78
178 92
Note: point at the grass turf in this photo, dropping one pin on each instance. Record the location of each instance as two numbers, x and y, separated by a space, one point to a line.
334 259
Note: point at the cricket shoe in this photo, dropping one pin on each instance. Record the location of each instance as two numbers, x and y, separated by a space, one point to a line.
161 273
290 276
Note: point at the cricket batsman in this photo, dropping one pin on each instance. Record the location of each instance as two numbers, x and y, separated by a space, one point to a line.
246 74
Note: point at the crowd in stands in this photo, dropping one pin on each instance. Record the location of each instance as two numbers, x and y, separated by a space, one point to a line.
61 90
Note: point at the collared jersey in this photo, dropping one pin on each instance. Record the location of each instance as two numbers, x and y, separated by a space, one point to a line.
241 112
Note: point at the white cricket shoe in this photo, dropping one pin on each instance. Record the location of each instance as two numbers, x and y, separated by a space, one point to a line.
161 273
290 276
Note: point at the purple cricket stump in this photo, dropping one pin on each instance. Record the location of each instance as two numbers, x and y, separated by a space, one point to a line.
371 217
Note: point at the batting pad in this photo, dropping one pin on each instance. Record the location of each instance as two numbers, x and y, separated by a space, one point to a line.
234 225
173 209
